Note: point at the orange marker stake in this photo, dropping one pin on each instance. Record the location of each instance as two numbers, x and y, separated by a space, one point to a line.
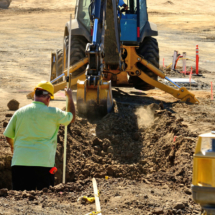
163 63
191 71
174 138
212 97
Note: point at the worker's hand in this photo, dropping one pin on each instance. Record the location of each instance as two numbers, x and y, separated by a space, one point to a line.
125 6
70 104
68 92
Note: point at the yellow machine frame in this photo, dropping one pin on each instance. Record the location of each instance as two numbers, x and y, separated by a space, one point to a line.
131 68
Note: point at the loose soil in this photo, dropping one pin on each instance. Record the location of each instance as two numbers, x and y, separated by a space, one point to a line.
149 172
142 153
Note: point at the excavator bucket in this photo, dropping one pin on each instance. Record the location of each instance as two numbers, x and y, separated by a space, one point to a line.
94 99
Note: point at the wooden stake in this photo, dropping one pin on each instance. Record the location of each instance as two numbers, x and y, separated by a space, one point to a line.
175 55
65 131
191 72
95 189
184 63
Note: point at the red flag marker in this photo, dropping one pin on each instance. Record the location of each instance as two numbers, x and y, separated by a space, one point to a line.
174 138
163 63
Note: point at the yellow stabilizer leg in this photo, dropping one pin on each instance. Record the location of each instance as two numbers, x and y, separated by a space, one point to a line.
62 85
94 99
181 93
132 59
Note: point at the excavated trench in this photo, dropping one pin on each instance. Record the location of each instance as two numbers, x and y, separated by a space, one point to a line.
133 142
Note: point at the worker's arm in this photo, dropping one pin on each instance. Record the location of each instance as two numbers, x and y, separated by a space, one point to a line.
70 105
11 142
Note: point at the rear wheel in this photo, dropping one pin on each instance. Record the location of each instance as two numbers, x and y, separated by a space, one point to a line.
57 65
5 4
77 52
150 51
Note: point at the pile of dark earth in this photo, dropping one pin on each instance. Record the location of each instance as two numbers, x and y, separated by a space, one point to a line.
132 145
117 196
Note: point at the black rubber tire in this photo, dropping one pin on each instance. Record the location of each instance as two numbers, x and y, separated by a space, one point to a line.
4 4
57 66
150 51
77 52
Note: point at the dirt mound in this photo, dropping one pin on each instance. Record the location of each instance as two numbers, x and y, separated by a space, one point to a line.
131 142
127 144
5 164
5 156
117 196
169 2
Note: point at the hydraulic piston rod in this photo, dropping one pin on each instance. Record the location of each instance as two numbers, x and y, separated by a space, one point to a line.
60 76
95 30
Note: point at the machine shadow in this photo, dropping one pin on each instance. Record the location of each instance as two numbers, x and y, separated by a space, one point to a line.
122 131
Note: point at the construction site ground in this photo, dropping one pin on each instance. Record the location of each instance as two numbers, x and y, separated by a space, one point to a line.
148 172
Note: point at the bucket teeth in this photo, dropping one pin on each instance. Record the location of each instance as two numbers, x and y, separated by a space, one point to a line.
94 99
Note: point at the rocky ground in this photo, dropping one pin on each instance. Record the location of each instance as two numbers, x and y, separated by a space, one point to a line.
118 196
148 160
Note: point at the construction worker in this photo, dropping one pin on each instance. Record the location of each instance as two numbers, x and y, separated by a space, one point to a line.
32 135
122 4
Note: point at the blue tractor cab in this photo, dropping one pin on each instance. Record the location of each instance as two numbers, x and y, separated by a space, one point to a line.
134 24
133 20
128 25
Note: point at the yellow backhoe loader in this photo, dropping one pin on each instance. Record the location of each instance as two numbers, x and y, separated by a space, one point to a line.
111 45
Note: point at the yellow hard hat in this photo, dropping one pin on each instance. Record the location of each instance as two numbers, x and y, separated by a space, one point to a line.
47 86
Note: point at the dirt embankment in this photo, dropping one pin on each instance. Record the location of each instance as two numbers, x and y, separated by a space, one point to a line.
133 144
